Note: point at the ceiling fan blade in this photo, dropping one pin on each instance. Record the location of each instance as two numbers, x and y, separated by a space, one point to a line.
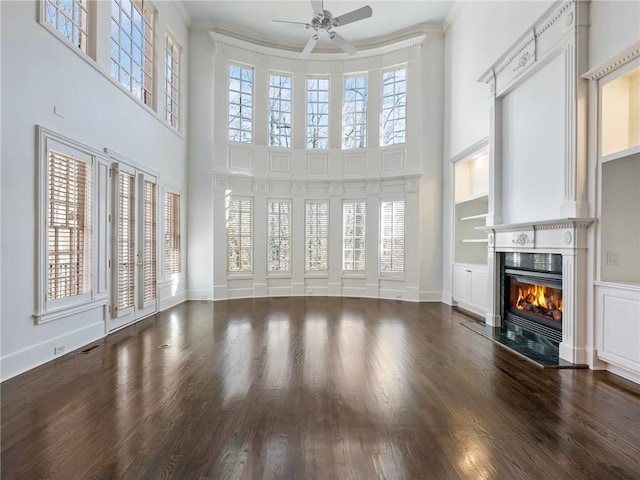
302 24
318 6
342 43
354 16
308 47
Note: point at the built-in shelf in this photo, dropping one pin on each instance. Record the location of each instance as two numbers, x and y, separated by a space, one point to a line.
474 217
621 154
471 198
475 240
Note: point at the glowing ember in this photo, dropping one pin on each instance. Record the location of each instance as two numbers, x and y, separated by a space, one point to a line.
538 300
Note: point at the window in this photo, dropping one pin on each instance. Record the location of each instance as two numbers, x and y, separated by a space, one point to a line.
125 241
172 82
240 104
354 217
172 247
354 112
149 241
394 106
69 18
69 226
132 47
392 236
316 236
240 235
279 236
279 110
318 112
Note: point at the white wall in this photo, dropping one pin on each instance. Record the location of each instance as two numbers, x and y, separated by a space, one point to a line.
40 73
479 33
613 27
372 173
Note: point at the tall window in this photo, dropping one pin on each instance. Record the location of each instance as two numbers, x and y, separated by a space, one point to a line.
240 234
172 82
240 104
354 217
149 241
354 112
279 110
317 112
69 18
132 47
69 226
316 236
394 106
392 236
279 236
172 246
125 242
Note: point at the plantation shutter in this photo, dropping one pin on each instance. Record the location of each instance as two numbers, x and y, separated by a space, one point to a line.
317 236
353 235
125 240
69 227
172 233
240 235
149 276
279 236
392 236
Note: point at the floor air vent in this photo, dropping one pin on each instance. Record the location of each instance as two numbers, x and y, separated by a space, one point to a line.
89 349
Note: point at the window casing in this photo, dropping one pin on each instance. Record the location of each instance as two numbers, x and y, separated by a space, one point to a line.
240 104
172 240
354 236
240 235
132 38
317 113
172 82
70 19
279 236
392 230
317 236
280 110
354 112
69 226
394 106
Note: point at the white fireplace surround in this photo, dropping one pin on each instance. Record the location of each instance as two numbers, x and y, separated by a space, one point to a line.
567 237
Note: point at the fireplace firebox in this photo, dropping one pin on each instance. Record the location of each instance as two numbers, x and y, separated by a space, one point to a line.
531 291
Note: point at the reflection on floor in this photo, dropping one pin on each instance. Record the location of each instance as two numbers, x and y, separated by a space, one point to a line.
530 345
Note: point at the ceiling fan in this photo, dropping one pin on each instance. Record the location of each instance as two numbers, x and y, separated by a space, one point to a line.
324 21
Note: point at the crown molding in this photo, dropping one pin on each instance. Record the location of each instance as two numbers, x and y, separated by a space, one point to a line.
234 42
452 14
614 63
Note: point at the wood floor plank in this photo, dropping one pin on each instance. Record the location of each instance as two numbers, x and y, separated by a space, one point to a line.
313 388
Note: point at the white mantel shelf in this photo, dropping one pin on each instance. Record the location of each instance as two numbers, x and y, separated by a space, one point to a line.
540 225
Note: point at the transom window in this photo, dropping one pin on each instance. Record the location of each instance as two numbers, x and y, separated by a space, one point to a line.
317 236
172 82
354 235
279 236
69 18
69 224
132 23
318 112
392 236
240 234
354 112
279 110
394 106
240 104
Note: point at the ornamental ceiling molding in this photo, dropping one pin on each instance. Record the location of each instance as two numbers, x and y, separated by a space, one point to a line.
626 56
558 224
225 45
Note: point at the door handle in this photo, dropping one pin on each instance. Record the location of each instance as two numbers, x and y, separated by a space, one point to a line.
138 262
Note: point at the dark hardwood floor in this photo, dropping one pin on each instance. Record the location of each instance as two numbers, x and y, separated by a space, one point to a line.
324 388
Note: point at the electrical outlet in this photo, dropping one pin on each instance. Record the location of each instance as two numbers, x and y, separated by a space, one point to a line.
58 350
613 258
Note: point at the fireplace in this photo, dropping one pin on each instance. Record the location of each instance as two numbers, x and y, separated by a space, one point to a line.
531 292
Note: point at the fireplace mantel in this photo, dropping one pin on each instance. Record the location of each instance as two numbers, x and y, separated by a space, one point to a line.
559 235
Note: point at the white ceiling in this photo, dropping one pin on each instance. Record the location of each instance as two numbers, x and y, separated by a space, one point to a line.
252 19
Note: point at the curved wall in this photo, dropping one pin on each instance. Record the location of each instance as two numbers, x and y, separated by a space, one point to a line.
219 168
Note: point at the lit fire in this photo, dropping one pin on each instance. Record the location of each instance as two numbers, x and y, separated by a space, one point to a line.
540 300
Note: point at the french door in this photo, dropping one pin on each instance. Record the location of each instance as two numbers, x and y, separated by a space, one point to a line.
134 265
